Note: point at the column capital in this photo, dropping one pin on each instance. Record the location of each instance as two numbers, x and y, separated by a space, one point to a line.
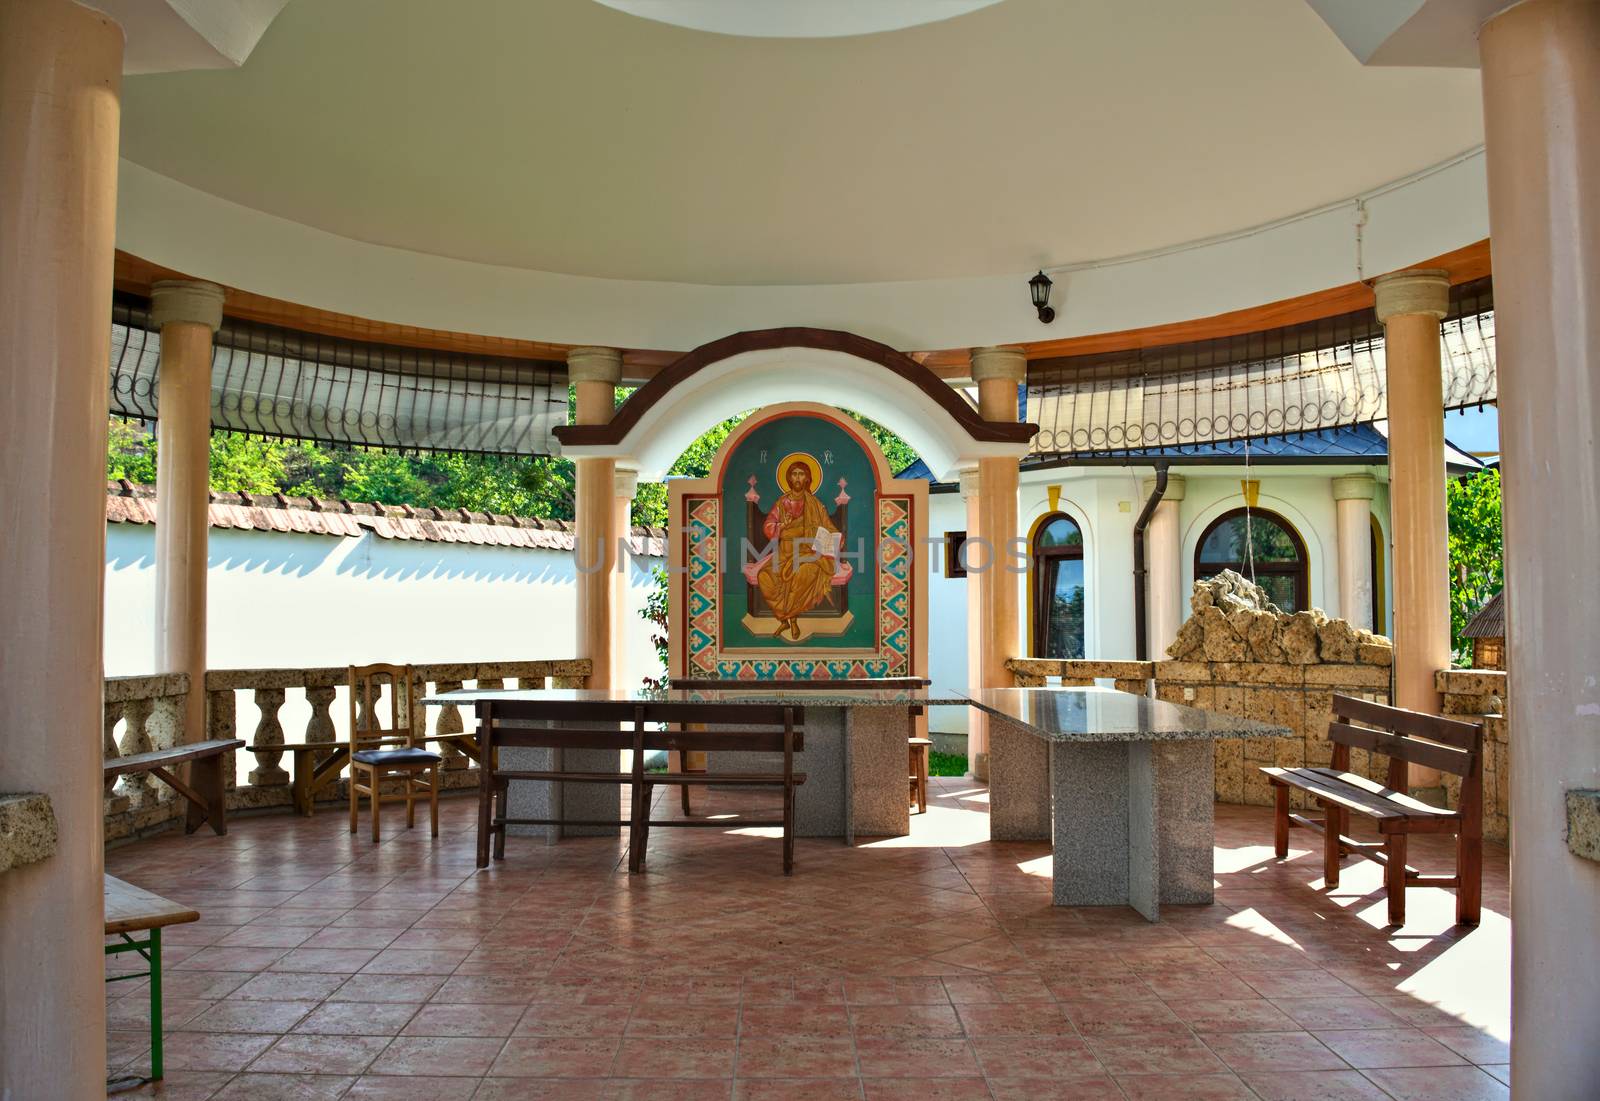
186 300
594 365
1177 486
1354 487
1006 362
968 480
625 483
1420 290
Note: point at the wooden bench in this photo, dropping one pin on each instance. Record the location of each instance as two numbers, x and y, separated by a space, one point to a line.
319 764
640 727
1406 737
918 747
130 910
207 787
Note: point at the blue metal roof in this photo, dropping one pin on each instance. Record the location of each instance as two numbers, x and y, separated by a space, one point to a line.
1360 444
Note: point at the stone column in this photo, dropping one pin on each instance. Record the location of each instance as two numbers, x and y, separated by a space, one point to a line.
974 556
187 314
1541 69
1164 558
1410 306
595 372
60 78
995 631
625 483
1352 495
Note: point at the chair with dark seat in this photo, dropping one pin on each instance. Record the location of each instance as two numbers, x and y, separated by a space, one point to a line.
379 752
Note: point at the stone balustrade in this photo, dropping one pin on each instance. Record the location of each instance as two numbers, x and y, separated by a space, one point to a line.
148 712
1479 695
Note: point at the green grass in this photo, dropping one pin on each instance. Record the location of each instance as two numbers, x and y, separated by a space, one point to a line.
947 764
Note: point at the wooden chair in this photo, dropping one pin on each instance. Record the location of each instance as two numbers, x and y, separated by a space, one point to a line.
1407 737
379 752
918 772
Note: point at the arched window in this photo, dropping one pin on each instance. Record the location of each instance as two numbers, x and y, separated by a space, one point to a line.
1057 577
1280 564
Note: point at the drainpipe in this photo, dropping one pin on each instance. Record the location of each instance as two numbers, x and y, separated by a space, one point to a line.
1141 640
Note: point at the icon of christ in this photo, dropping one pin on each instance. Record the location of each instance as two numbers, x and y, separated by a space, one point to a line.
795 577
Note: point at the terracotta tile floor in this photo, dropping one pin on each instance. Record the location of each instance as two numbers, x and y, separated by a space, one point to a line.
929 967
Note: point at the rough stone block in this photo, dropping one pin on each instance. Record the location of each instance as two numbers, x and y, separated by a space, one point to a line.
1375 653
1229 765
1257 790
1488 682
1583 823
1256 672
1348 676
1183 672
1137 687
1229 700
27 829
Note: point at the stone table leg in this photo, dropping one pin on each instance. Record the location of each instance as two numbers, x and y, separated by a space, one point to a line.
822 803
1019 783
878 738
553 799
1133 824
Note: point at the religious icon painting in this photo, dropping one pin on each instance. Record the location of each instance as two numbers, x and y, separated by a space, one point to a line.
795 555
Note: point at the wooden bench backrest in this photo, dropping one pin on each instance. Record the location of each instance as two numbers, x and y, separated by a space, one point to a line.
367 727
757 727
1406 737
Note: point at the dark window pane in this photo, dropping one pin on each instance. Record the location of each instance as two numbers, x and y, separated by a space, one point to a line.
1060 532
1064 624
1226 542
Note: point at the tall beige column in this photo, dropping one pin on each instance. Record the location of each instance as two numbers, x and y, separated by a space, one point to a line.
187 314
60 75
595 373
974 557
1352 496
1164 557
1410 306
1541 93
995 631
625 484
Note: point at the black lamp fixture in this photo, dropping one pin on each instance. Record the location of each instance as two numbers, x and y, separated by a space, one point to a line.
1039 290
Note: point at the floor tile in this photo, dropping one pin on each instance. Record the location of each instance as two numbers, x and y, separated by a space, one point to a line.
304 1054
1249 1053
1154 1053
1440 1084
1368 1048
436 1055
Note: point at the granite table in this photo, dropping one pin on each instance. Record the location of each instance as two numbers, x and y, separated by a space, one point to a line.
1120 784
854 756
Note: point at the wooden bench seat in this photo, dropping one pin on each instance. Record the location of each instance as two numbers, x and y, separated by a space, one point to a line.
207 787
641 728
129 910
1406 737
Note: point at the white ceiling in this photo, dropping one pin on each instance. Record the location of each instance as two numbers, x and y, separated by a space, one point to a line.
564 136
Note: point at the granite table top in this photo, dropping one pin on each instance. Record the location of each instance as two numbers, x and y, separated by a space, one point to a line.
767 692
1106 715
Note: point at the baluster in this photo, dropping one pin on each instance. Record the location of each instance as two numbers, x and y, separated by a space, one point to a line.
113 715
449 722
136 739
319 728
269 733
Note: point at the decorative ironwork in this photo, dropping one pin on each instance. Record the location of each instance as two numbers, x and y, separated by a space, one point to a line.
1303 378
271 381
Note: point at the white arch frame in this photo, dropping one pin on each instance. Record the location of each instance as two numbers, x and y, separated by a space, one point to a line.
1309 535
772 376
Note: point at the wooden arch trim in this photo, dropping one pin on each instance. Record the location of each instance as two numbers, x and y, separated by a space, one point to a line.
760 340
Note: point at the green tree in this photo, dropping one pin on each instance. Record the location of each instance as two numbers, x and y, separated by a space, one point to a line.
130 452
1477 570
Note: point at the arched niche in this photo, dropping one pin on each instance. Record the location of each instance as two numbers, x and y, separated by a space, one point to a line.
771 366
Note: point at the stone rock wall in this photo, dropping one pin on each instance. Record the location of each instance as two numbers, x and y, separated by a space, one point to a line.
1240 654
1479 695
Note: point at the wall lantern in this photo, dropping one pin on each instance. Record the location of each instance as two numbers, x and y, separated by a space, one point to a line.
1039 291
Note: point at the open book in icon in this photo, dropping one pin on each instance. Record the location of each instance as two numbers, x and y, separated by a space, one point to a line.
826 544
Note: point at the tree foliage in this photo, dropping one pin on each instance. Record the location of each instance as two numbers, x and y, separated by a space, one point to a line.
541 487
1477 570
